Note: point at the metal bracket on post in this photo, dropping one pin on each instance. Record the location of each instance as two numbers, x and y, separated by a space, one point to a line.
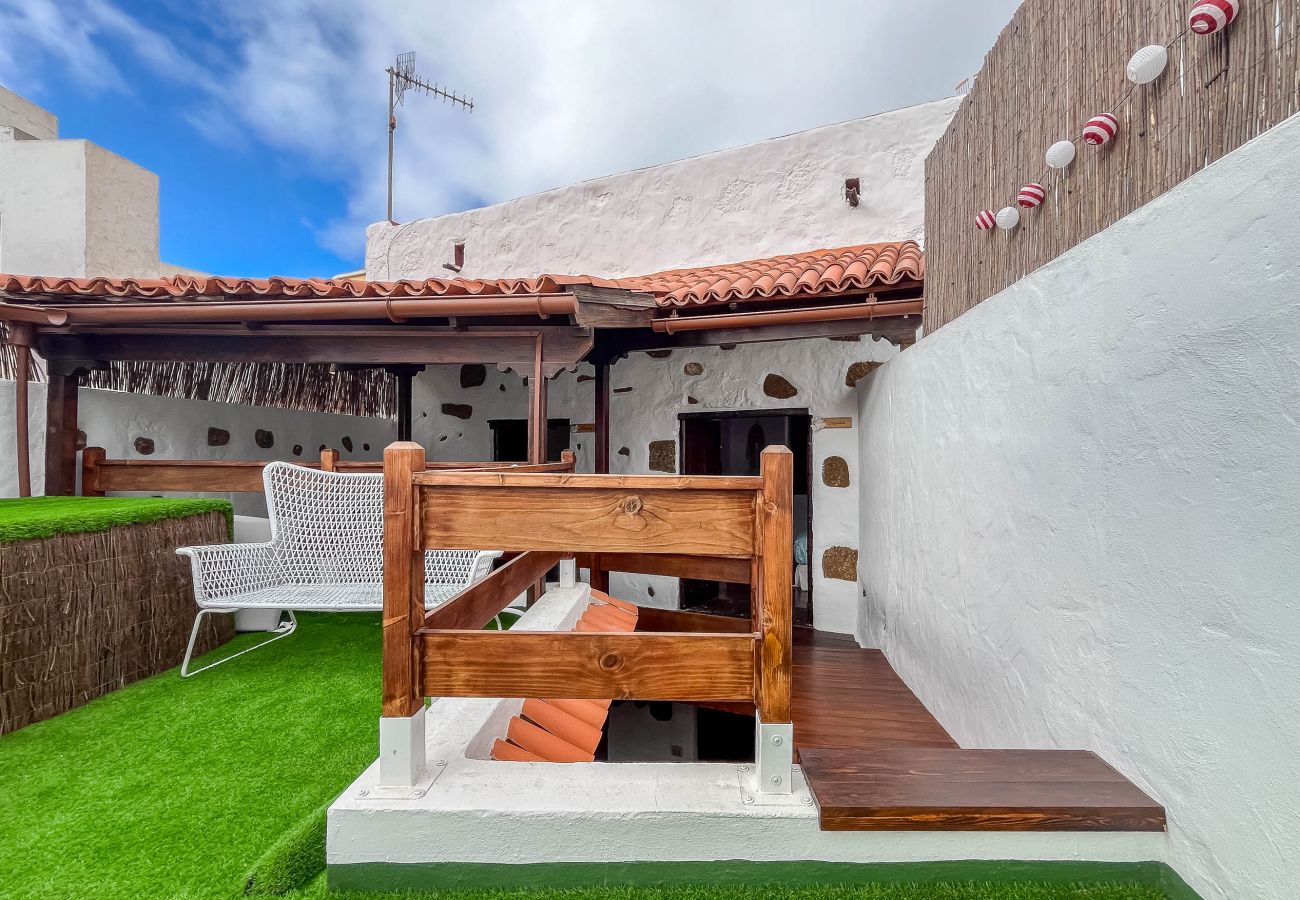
774 756
401 750
568 572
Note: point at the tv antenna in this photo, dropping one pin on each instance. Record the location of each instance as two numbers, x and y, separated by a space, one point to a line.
402 78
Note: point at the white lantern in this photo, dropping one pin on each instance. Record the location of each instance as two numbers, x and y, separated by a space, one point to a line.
1060 154
1008 217
1146 65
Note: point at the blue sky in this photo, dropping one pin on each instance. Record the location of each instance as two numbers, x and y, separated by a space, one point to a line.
264 119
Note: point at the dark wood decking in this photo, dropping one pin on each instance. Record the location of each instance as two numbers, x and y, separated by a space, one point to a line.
877 760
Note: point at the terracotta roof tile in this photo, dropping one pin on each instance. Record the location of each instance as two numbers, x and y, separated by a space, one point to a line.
819 272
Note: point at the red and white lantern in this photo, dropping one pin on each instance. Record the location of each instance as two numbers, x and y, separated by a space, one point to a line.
984 220
1031 195
1100 129
1209 16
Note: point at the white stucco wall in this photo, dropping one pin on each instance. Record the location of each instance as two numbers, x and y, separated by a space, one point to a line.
1080 514
121 215
777 196
179 430
43 207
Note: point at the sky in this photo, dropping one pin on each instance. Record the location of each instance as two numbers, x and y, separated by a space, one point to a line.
265 120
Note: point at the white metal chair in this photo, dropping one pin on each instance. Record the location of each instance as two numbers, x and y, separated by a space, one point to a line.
325 555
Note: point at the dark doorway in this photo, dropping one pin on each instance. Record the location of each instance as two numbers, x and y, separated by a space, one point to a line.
730 443
510 439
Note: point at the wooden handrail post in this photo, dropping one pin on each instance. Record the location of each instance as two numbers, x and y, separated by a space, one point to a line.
329 459
401 729
771 594
91 457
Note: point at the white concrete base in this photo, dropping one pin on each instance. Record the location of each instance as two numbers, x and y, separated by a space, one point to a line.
471 809
402 750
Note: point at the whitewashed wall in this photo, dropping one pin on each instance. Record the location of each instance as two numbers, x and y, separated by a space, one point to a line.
779 196
179 429
1080 514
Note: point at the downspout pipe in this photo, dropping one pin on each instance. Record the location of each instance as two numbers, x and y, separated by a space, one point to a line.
873 310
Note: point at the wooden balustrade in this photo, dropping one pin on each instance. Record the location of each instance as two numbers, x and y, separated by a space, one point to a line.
100 475
738 529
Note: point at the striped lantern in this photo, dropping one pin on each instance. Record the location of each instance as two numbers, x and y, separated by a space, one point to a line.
1031 195
1100 129
1209 16
984 220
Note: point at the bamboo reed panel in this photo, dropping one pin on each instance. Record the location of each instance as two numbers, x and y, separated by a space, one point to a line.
307 387
85 614
1056 65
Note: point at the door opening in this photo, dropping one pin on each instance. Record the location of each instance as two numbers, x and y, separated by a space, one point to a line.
510 439
731 443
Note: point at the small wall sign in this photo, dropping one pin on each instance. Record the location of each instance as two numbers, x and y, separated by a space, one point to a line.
837 422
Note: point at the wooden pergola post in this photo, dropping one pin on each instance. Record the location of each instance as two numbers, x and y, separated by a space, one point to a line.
19 336
401 728
599 576
537 409
770 597
61 431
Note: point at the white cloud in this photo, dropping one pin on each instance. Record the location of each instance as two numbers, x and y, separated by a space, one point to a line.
564 89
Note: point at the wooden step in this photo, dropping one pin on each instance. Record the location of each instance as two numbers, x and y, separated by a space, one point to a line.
938 789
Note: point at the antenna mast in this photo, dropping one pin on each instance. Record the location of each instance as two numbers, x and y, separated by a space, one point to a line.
402 78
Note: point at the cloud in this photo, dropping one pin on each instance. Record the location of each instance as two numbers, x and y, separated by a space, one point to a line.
564 90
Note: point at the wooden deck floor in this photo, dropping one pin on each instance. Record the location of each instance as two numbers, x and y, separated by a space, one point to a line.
876 759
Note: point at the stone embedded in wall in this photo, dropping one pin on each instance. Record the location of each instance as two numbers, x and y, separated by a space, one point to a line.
693 368
663 456
859 371
501 388
81 439
365 447
840 563
472 375
691 401
264 438
659 354
347 443
726 346
649 590
144 446
457 410
321 448
297 449
581 379
623 451
623 390
778 387
835 472
441 438
847 338
218 437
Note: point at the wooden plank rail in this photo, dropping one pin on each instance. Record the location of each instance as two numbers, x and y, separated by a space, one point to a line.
588 665
731 528
100 474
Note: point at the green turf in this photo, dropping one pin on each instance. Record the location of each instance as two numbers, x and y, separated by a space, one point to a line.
180 789
30 518
174 788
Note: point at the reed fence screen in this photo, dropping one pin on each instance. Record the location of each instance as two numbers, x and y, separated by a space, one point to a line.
1057 64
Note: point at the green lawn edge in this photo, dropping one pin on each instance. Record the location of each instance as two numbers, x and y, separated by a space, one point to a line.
441 877
37 518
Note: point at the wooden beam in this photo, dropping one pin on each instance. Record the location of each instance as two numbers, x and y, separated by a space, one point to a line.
588 665
475 606
562 346
772 593
571 520
601 307
893 329
91 460
61 434
188 476
601 388
705 568
403 582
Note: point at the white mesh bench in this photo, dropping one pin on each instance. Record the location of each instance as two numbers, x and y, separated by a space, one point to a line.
325 555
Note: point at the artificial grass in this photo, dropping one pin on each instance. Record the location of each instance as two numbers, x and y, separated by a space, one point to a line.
179 789
33 518
174 788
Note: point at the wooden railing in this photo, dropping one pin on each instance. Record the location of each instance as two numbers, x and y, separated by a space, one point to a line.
700 526
100 474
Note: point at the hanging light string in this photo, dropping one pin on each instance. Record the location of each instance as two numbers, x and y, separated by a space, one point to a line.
1051 175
